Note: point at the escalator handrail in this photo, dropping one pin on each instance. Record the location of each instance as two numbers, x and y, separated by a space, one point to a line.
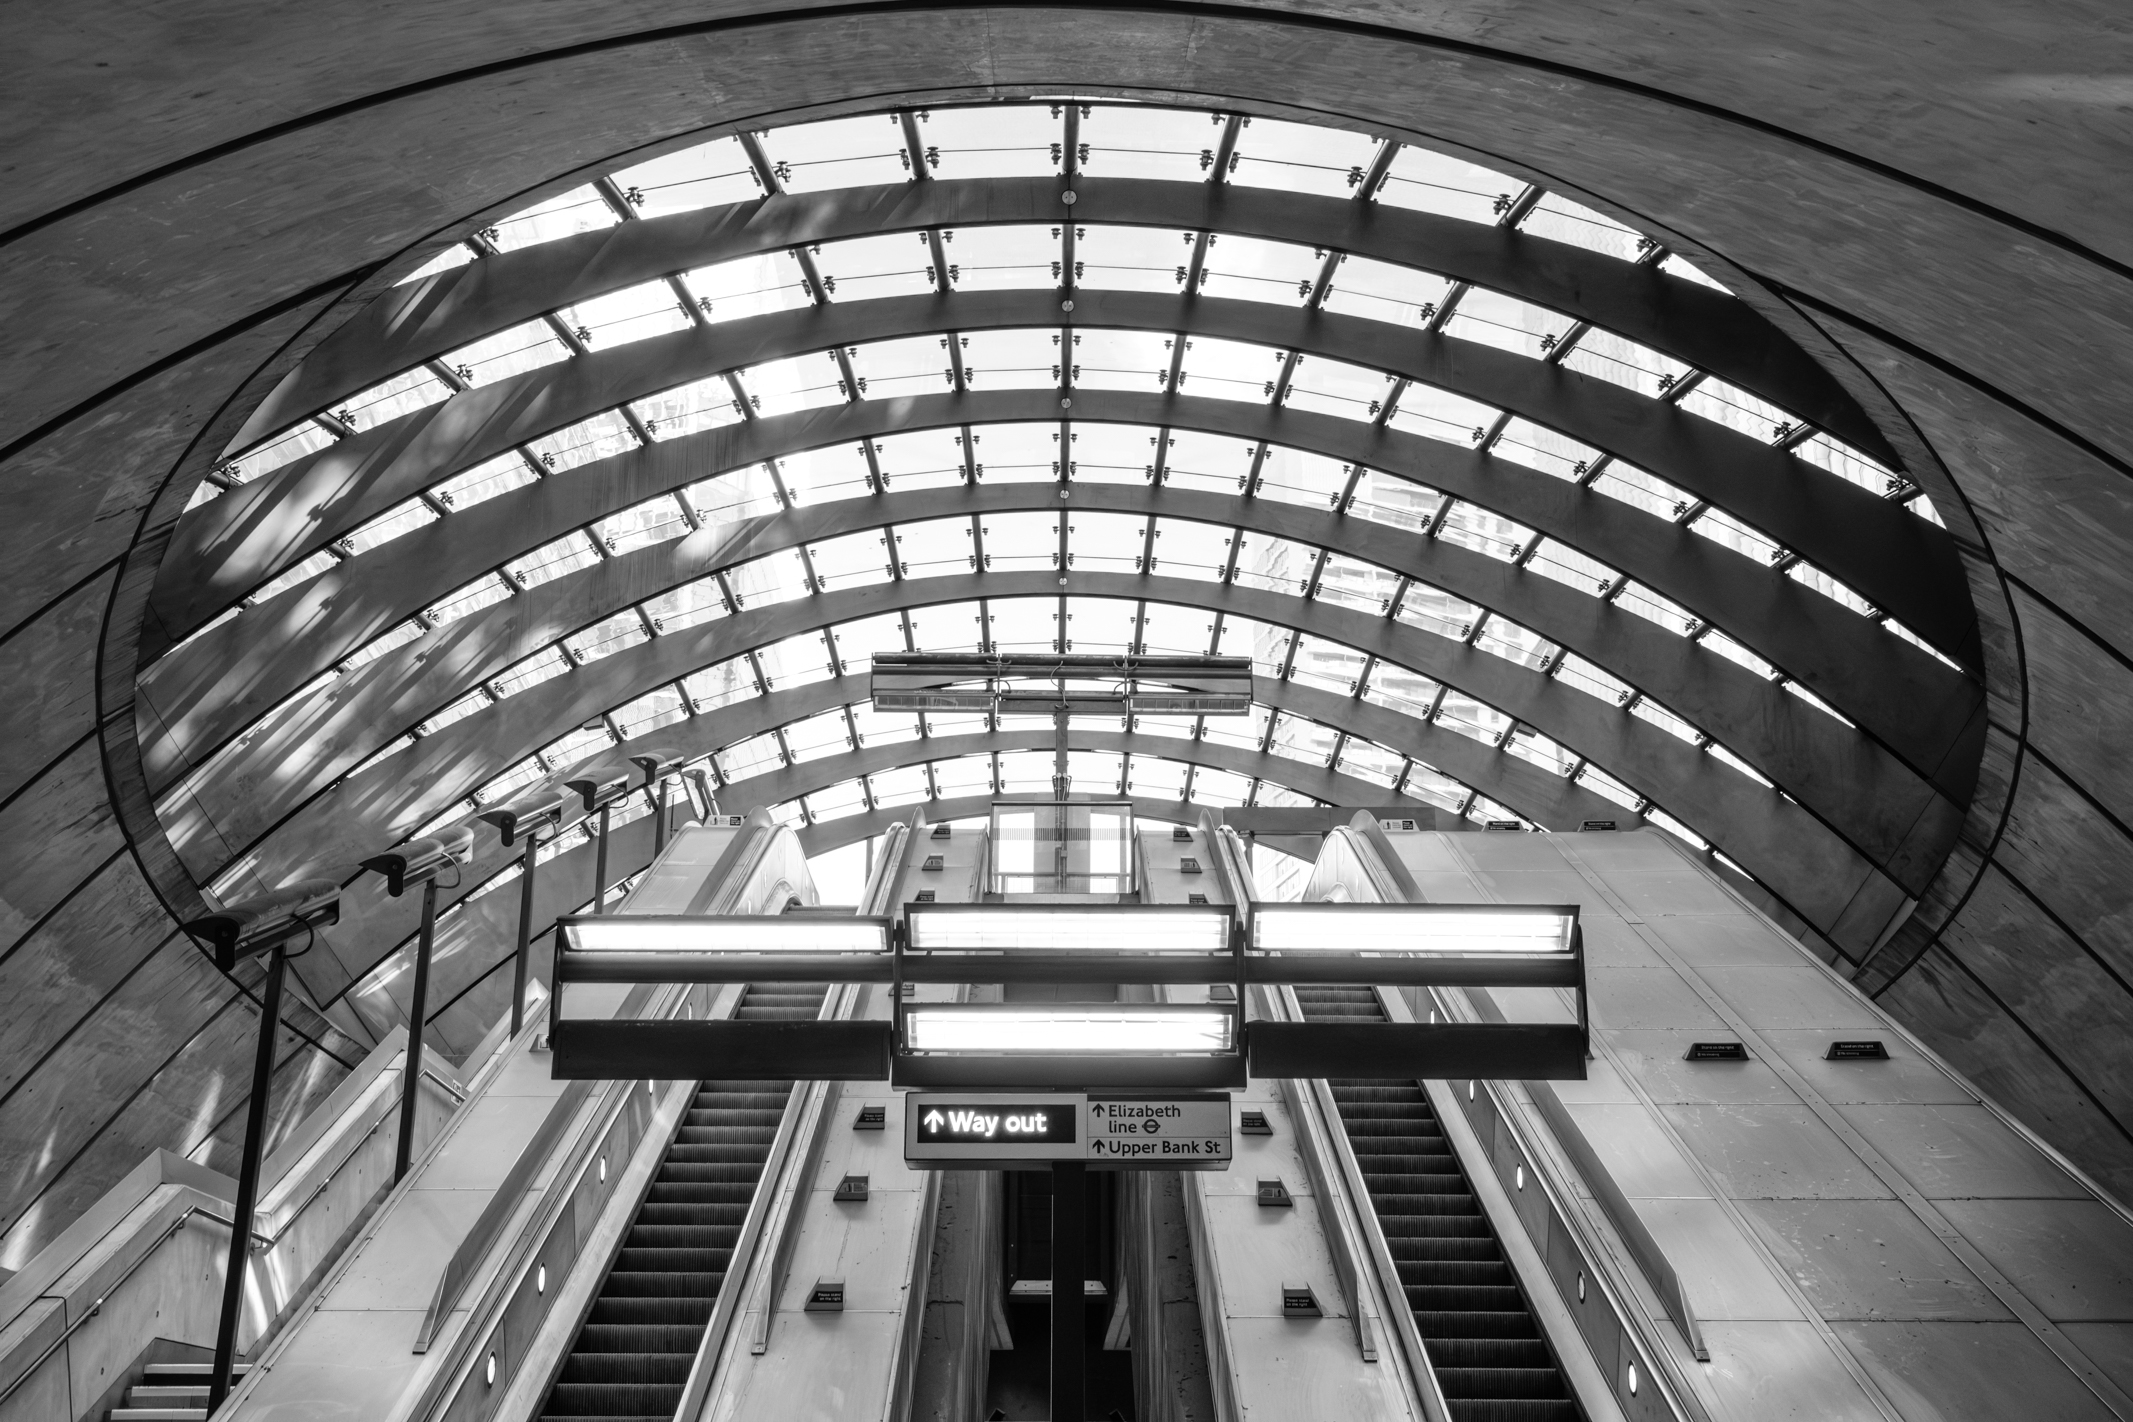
1338 1177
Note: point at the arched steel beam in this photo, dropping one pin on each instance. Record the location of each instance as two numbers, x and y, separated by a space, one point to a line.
1837 772
1773 837
226 547
1712 330
216 686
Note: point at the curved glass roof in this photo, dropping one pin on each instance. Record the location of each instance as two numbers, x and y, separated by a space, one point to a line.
803 522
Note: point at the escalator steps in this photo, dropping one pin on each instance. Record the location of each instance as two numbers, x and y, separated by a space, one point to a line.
1484 1345
632 1356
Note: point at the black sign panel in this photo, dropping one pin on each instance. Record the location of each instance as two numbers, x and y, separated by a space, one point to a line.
999 1122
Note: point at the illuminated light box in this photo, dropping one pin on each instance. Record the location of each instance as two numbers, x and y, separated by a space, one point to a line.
1412 928
1050 928
1069 1029
627 933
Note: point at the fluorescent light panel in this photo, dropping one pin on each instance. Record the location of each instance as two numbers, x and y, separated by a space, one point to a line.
621 933
1047 928
1069 1029
1408 928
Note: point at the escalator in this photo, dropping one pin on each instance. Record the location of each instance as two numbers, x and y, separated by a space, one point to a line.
632 1357
1485 1346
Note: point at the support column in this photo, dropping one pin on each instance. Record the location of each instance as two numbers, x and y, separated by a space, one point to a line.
525 934
411 1077
1070 1311
255 1134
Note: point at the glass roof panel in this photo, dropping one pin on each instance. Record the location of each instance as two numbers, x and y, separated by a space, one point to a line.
1440 183
769 580
749 286
604 435
783 387
1296 738
1024 624
799 660
963 775
858 641
508 352
1569 566
750 757
1507 322
1536 447
1131 258
1220 789
1622 361
301 572
1473 719
606 637
1105 542
1398 689
1095 772
935 548
484 481
1373 763
1514 643
946 627
915 365
1718 526
1132 141
836 802
465 602
905 785
1246 732
1393 501
1266 645
814 737
1151 778
1328 666
1002 258
403 518
1439 414
1435 610
1350 582
1304 158
1168 629
1334 387
747 492
1274 564
839 153
653 521
1017 454
632 314
1012 360
867 268
1829 587
1251 269
1100 625
1113 454
1561 220
1025 772
1228 370
286 448
721 685
856 560
700 405
553 560
1216 464
1190 550
884 728
921 459
579 210
991 141
1295 476
707 175
821 476
1736 409
1121 360
1666 613
650 712
1593 680
1471 526
689 605
1641 490
1380 291
1020 542
405 393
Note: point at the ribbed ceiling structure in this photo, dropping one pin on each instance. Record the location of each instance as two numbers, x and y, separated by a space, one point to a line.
1532 432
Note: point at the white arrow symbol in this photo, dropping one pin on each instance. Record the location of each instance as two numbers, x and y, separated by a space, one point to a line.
933 1120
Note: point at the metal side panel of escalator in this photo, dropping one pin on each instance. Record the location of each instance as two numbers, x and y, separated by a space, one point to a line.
631 1357
1492 1361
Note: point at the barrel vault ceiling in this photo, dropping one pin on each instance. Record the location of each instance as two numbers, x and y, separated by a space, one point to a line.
1570 420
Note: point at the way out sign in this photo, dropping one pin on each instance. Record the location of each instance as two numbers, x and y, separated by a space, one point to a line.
1110 1130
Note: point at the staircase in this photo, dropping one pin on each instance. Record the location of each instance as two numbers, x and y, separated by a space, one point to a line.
632 1357
1487 1350
169 1392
